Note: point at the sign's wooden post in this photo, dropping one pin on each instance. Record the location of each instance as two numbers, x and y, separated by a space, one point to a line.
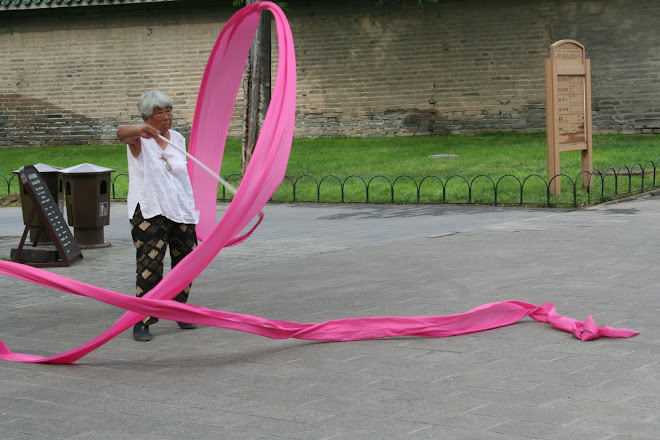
568 109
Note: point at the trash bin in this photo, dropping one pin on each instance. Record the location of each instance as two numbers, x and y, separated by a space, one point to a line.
53 178
87 190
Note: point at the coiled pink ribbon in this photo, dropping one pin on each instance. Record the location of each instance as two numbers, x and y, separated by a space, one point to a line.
263 176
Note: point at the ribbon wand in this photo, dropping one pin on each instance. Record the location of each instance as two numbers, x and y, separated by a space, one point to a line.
204 167
240 238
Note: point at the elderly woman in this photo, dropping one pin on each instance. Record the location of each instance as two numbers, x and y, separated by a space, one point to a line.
160 202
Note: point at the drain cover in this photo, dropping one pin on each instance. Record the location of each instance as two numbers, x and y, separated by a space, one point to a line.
443 156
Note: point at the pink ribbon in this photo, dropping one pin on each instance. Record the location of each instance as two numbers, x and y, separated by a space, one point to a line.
263 176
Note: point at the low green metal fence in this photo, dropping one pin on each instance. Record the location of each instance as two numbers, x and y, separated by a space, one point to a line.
532 190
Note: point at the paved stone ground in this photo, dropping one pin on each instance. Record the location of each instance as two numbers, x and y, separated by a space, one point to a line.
314 263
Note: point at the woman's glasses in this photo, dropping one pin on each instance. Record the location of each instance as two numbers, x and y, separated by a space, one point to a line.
163 156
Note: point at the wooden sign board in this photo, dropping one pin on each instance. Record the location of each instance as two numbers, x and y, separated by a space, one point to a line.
51 218
568 109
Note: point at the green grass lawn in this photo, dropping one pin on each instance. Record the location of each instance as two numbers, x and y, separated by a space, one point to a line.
380 161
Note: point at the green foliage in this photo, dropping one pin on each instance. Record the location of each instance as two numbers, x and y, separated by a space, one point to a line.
240 3
420 3
283 5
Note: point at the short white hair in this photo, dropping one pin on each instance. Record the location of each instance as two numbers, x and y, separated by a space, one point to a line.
151 100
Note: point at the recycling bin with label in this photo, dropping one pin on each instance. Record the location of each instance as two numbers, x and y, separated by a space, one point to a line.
87 190
53 178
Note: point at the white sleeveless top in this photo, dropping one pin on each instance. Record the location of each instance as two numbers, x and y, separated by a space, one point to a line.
160 191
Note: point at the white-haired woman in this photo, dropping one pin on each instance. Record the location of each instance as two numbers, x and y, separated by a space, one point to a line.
160 202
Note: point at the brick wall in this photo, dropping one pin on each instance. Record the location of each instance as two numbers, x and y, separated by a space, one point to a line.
72 76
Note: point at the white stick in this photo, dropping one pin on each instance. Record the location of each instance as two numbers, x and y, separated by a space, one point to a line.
204 167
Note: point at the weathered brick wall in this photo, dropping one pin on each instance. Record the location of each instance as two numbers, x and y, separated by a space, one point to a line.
622 39
72 76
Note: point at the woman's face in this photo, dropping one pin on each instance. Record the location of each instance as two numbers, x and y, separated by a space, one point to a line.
161 119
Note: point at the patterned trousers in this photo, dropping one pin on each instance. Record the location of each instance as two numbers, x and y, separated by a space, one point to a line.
152 237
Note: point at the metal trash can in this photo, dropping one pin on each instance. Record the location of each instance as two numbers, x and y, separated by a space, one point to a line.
53 178
87 190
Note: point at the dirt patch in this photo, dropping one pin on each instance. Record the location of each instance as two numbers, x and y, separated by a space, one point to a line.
10 200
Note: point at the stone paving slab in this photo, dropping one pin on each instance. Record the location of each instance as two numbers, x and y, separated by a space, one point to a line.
312 263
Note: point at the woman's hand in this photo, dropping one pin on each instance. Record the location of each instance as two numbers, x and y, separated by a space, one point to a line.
131 135
147 131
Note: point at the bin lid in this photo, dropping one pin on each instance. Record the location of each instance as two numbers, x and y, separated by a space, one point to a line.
86 168
42 168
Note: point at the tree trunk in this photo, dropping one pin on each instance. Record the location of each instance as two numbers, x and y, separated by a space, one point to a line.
256 87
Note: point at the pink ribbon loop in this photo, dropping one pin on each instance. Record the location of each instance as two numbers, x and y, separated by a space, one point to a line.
263 176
